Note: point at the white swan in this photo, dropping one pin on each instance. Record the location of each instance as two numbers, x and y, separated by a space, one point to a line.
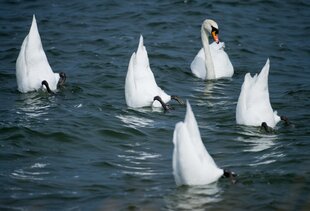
192 164
211 62
141 89
253 107
32 67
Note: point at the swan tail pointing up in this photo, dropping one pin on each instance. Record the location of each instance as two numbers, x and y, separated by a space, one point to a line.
192 164
32 66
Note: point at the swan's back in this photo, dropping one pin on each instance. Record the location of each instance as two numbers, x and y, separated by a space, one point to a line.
198 66
253 105
32 66
192 164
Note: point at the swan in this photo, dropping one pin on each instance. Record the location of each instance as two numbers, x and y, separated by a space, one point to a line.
253 107
192 164
211 62
33 71
141 89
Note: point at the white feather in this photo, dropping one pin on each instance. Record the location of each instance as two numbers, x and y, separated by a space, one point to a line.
192 164
253 107
32 66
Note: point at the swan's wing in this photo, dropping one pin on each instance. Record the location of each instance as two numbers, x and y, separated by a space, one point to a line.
142 72
258 94
36 59
185 160
193 130
241 109
21 68
198 65
222 64
130 86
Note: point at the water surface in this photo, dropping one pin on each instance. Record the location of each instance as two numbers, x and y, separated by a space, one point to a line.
85 149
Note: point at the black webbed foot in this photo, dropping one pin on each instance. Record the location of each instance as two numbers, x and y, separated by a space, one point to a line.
178 99
62 79
264 127
286 121
45 83
230 174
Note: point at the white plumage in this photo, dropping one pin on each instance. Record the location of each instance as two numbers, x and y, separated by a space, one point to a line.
211 62
32 66
253 107
192 164
140 84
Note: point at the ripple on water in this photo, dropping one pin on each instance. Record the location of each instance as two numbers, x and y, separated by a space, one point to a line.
32 173
135 121
194 197
264 147
138 162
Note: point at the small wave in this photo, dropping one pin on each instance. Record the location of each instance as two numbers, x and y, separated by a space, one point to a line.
194 197
142 173
138 163
26 175
263 163
135 122
31 173
257 144
38 165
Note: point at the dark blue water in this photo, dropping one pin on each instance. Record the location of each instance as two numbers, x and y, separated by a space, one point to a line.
84 149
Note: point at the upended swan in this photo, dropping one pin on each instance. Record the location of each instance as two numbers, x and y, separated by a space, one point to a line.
141 89
192 164
253 107
211 62
33 71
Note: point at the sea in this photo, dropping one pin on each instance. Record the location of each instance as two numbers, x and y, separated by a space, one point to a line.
85 149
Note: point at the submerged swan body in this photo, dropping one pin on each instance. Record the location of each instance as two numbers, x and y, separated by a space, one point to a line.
192 164
211 62
32 68
253 107
141 89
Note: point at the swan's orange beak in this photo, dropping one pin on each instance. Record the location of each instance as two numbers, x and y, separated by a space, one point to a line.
215 37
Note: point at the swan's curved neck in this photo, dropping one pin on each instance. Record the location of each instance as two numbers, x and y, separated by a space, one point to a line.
208 59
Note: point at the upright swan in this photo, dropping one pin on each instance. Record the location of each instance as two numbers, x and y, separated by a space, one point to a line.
253 107
211 62
141 89
32 68
192 164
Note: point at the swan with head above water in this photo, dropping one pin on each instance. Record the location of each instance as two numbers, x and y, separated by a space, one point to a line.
211 62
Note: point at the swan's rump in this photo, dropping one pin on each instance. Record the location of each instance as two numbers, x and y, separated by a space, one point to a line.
140 84
192 164
253 105
32 66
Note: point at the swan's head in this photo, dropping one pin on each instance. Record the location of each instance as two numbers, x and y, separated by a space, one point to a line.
212 28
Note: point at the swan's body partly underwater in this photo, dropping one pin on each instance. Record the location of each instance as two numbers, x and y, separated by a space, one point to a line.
192 164
33 71
211 62
141 89
253 107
